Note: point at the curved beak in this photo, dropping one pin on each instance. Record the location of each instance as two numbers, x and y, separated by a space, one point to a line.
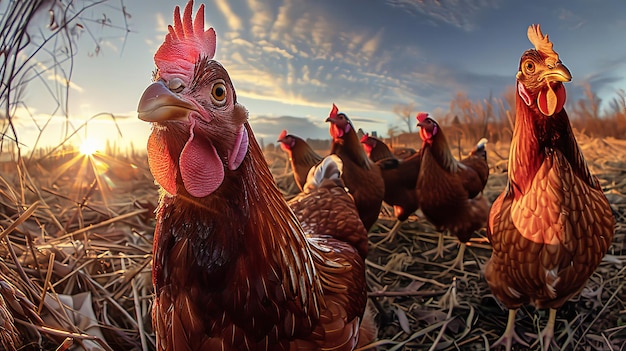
560 73
159 104
330 119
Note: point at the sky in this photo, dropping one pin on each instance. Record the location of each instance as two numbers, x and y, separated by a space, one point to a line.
290 60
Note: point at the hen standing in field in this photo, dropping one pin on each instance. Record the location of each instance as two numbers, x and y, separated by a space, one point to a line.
400 178
361 176
301 156
450 191
552 225
232 268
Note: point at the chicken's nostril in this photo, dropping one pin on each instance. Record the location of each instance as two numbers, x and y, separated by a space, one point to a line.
151 95
158 103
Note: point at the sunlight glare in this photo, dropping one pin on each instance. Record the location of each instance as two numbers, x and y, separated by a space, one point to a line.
90 146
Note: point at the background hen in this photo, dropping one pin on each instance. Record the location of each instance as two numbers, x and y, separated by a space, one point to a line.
552 225
362 176
232 268
324 207
376 149
450 191
400 178
302 157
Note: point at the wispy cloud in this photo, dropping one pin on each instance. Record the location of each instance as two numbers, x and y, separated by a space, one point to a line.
64 81
269 128
234 22
459 13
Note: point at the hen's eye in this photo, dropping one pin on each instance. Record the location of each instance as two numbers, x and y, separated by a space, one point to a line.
529 66
176 85
218 93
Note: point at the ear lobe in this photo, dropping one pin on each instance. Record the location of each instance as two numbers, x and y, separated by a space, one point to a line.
521 91
236 155
347 128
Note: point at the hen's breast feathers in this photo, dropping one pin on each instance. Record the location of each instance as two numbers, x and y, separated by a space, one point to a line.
556 233
256 278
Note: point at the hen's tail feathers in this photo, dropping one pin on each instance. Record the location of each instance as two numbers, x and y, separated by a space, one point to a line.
481 148
331 167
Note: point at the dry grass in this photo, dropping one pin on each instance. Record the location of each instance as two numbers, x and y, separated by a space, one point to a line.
77 240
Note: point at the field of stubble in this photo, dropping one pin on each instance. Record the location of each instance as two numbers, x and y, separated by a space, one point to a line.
77 239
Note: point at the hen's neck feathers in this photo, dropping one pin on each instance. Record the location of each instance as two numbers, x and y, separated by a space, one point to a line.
381 151
535 137
349 146
440 149
303 153
248 213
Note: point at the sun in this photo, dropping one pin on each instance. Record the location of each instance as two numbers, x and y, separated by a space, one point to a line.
90 146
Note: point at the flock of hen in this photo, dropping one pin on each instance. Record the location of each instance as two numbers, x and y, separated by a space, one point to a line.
237 267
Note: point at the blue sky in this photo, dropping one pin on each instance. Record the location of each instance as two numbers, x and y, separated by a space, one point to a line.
291 59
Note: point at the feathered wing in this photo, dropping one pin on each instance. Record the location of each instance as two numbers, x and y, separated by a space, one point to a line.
474 171
547 242
326 208
342 275
450 190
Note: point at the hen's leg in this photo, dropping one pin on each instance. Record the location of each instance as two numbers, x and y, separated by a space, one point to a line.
509 333
457 262
439 250
548 332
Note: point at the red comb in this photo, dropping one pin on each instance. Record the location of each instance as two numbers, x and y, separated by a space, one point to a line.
185 43
421 116
283 134
334 111
365 137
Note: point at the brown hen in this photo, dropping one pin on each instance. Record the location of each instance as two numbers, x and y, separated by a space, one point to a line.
450 191
302 157
361 176
400 178
325 207
552 225
232 267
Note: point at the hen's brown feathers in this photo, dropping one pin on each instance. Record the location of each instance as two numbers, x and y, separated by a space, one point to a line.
232 267
547 243
362 177
552 225
270 289
301 156
399 176
450 191
328 209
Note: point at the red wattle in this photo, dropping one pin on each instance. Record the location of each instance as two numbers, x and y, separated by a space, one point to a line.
561 96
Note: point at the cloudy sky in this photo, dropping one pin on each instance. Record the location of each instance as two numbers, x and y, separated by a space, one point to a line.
291 59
